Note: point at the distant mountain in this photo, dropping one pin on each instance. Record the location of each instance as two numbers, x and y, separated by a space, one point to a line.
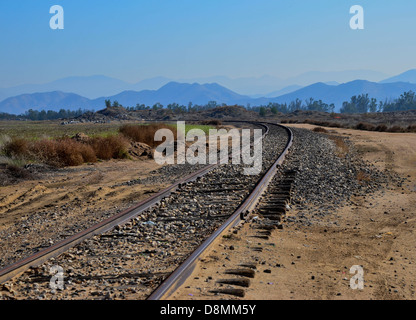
312 77
283 91
172 92
344 92
90 87
148 84
264 85
332 83
245 85
183 93
408 76
93 87
199 94
49 101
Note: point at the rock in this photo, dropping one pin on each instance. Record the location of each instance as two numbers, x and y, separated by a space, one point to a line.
138 150
81 137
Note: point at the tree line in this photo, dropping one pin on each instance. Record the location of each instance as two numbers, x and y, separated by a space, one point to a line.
175 107
44 115
308 105
357 104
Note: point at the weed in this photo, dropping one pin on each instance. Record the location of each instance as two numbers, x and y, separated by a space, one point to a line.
365 126
110 147
362 177
320 129
16 147
145 133
342 147
381 128
62 152
18 172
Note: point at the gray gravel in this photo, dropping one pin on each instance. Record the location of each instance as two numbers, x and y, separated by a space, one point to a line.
130 261
326 181
154 243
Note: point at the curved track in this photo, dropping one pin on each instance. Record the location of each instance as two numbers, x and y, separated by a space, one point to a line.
235 194
178 277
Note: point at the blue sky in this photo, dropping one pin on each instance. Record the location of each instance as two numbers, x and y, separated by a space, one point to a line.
134 40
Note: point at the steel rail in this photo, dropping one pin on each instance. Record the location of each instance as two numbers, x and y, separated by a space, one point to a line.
184 271
44 255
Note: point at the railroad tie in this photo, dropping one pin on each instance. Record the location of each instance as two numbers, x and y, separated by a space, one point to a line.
231 291
244 273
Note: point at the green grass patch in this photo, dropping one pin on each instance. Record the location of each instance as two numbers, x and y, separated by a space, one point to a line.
38 130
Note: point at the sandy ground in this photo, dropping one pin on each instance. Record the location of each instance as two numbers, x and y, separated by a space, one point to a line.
40 212
88 184
57 203
376 233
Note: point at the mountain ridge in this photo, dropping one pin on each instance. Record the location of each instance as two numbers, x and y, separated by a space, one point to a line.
407 76
183 93
96 86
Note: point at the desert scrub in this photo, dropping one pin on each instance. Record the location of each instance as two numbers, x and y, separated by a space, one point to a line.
109 147
65 151
145 133
3 140
365 126
342 147
320 129
37 130
62 152
362 177
16 148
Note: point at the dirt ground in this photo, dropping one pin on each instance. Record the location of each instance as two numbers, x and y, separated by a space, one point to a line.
37 213
376 233
51 205
88 184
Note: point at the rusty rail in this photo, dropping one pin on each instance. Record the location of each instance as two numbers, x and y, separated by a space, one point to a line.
184 271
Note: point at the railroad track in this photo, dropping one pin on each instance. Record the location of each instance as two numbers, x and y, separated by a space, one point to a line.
146 252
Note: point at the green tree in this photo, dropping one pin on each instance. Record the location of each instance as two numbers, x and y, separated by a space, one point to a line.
157 106
373 105
348 107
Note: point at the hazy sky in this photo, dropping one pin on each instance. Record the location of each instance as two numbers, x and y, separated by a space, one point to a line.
134 39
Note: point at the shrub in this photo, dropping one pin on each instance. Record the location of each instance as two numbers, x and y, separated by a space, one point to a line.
68 152
395 129
323 123
3 140
342 147
62 152
320 129
362 177
17 147
335 125
145 133
411 128
381 128
18 172
111 147
365 126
